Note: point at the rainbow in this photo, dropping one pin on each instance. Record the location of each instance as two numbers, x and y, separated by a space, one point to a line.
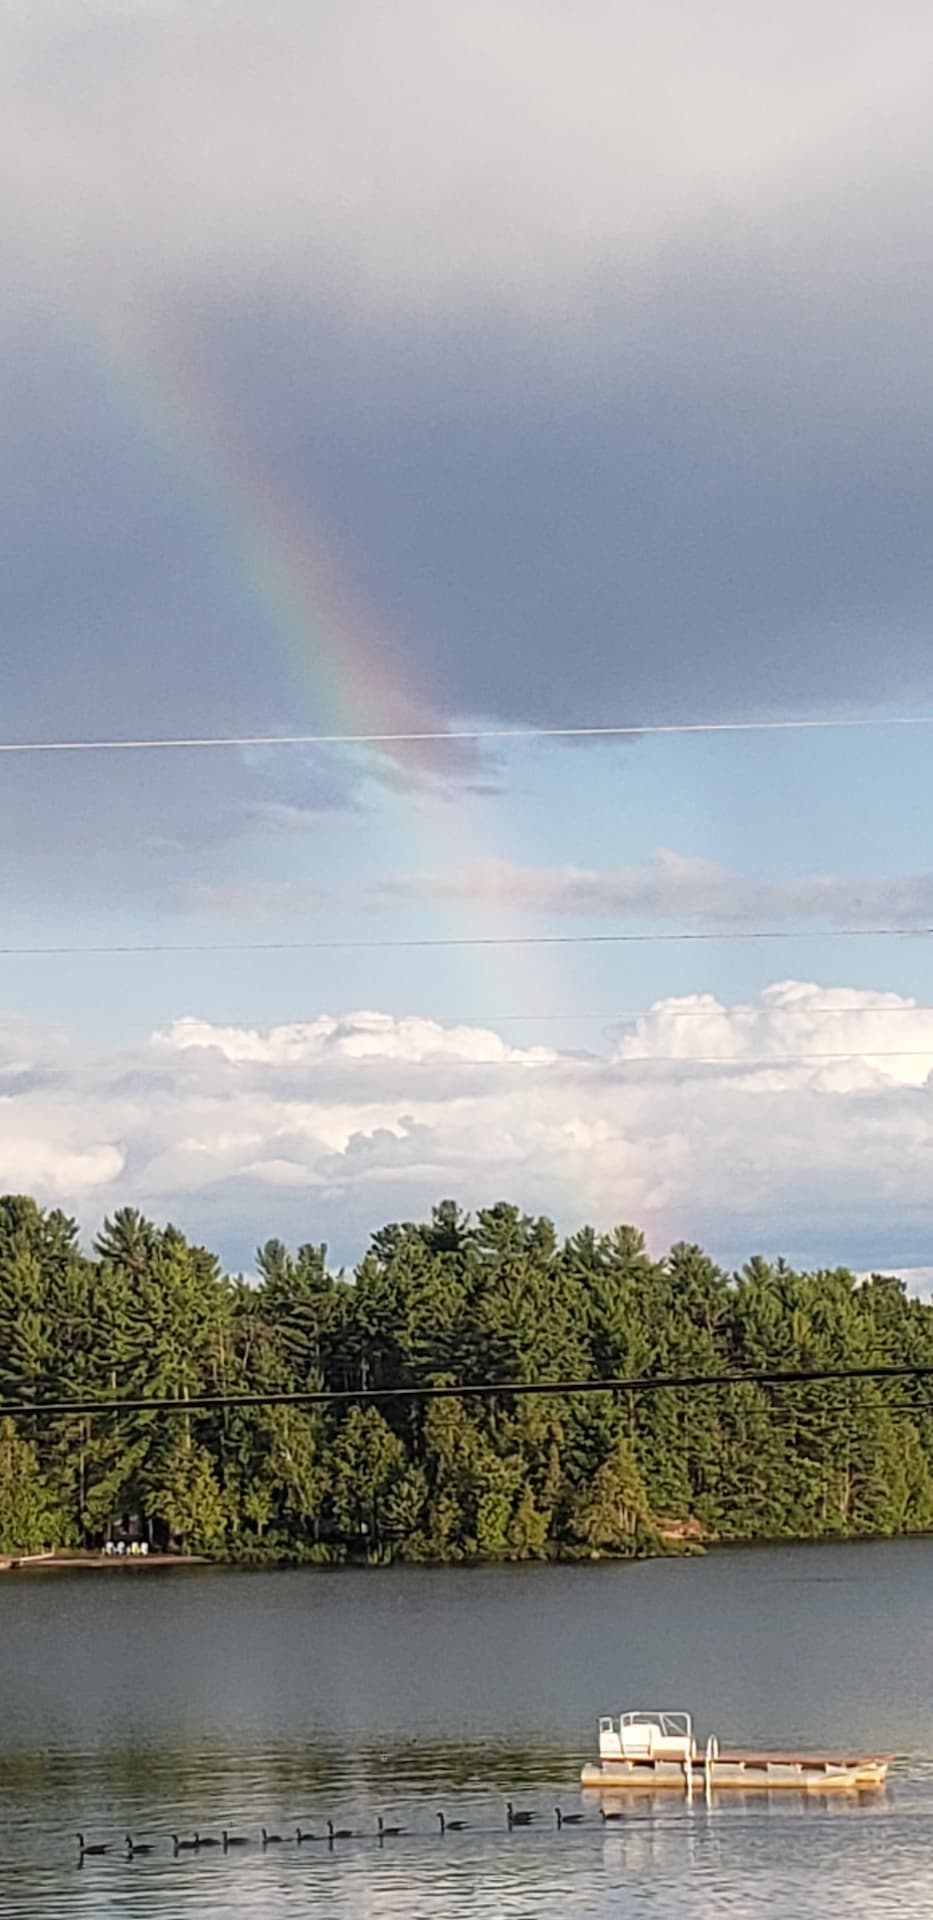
345 665
342 663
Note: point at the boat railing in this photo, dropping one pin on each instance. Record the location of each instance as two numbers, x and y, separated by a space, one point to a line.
647 1735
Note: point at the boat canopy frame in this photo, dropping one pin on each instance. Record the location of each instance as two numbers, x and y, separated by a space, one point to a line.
647 1733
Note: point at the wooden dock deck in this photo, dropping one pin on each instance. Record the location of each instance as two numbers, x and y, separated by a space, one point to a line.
656 1747
743 1770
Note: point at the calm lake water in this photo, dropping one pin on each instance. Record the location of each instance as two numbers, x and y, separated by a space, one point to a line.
159 1702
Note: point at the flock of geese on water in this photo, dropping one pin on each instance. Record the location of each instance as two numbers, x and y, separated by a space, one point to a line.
198 1842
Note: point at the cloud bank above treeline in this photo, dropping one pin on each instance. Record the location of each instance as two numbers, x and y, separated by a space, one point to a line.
799 1121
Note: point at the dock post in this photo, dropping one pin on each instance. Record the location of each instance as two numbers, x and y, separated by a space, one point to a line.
711 1754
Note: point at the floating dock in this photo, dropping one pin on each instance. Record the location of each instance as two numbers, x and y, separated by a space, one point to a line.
658 1749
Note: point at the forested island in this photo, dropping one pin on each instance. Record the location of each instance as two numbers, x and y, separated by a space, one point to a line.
498 1298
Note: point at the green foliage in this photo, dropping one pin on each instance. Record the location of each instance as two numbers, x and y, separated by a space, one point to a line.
189 1498
367 1467
610 1512
27 1516
446 1302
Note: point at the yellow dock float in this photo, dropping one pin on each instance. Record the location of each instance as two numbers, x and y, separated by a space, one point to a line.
658 1749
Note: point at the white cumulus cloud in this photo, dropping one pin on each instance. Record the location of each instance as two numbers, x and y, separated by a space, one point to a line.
847 1038
801 1120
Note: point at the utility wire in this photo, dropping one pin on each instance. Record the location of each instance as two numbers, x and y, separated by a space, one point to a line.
693 1013
466 940
472 1390
439 1062
765 1059
611 1016
454 734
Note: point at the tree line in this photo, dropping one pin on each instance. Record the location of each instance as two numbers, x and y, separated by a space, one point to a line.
496 1298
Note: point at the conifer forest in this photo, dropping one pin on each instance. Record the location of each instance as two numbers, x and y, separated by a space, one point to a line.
494 1298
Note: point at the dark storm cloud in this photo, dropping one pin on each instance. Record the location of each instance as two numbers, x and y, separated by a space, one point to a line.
601 369
724 518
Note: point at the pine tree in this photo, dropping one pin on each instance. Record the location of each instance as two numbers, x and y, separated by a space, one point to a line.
28 1515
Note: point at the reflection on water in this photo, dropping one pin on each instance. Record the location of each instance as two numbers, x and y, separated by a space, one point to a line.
201 1700
669 1859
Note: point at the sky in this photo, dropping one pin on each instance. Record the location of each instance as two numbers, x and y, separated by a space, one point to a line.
424 369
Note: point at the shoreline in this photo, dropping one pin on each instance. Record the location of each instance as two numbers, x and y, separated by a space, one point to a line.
81 1562
84 1561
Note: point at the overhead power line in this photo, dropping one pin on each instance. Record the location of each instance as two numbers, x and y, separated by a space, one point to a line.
11 1070
466 940
472 1390
629 1017
437 736
694 1013
769 1059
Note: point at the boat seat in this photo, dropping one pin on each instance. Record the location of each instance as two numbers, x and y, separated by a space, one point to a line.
639 1742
